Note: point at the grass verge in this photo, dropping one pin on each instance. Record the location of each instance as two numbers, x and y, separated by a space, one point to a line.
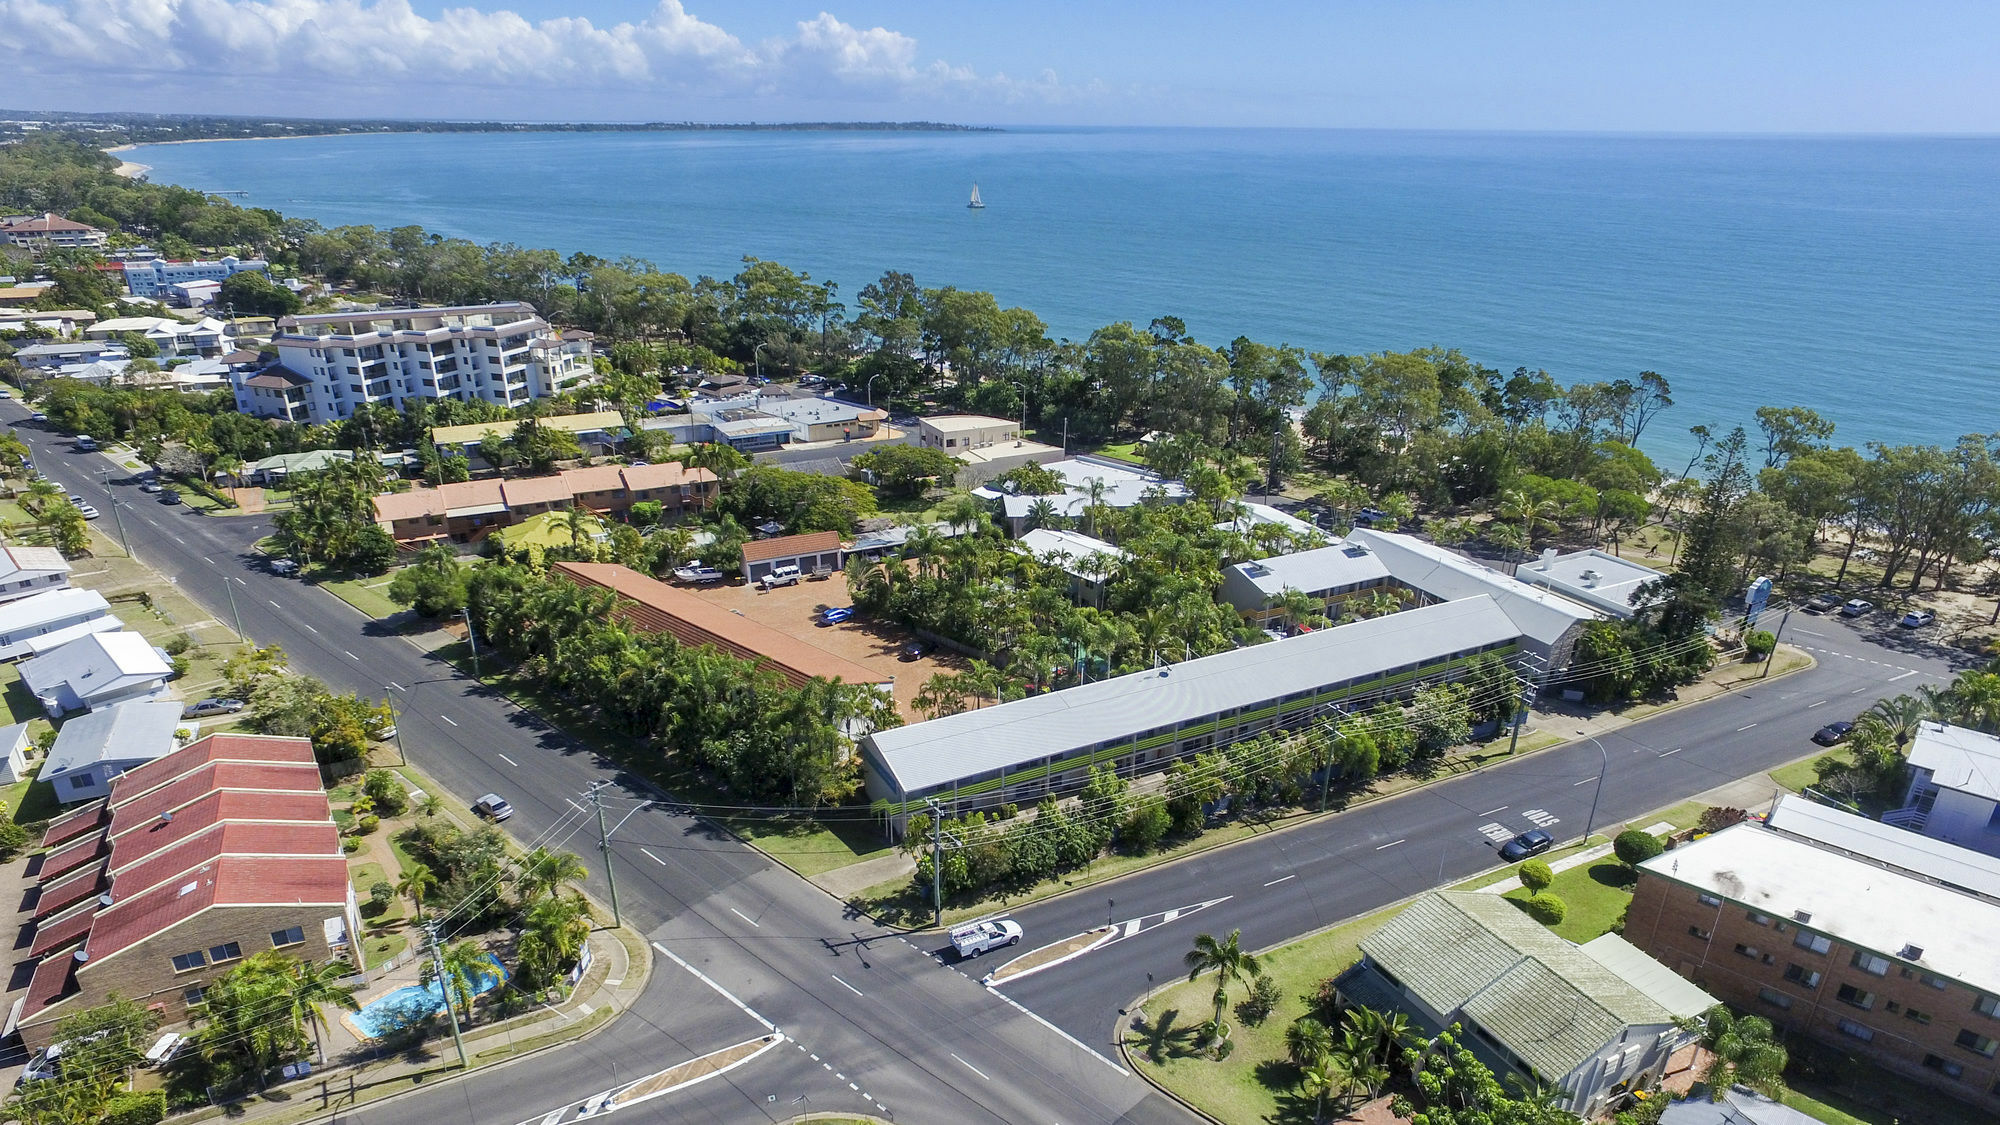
1596 894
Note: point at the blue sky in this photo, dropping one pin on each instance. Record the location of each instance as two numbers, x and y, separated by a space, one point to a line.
1687 66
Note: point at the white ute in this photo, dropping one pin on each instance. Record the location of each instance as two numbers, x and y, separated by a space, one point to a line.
975 938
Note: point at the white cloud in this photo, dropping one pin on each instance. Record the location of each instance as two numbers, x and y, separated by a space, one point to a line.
331 45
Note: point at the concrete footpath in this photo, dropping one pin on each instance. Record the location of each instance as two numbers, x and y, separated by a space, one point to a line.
621 965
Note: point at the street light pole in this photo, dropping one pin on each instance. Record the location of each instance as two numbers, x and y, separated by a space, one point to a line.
1024 406
871 389
402 759
471 640
604 846
1768 660
757 357
1591 820
228 584
446 988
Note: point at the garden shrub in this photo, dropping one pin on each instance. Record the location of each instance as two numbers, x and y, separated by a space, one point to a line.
1264 994
1635 847
367 824
139 1108
1547 909
1536 876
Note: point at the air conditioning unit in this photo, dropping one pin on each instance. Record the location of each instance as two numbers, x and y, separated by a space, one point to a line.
1802 917
1912 953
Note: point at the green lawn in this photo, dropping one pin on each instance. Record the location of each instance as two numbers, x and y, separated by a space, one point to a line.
1596 894
1255 1083
369 595
1799 774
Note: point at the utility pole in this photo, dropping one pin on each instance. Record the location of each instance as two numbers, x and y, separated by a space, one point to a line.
227 584
1769 660
604 845
402 759
472 640
937 864
119 518
445 989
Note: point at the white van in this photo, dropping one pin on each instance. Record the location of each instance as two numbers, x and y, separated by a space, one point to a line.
86 444
787 575
975 938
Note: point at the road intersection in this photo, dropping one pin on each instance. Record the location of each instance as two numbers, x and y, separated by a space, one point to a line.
873 1020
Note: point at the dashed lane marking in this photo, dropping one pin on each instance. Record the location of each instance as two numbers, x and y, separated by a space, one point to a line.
1904 676
1390 844
754 922
448 719
836 979
654 858
1275 882
510 761
1490 812
971 1068
1585 781
1810 706
1746 726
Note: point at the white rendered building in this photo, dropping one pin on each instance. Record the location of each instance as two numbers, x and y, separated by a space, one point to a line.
501 353
155 278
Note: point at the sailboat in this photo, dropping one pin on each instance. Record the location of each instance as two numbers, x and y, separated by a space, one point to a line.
977 204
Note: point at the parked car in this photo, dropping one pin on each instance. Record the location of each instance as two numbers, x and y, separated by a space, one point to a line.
834 615
915 650
1366 517
284 568
1917 619
170 497
975 938
1822 603
698 574
1526 846
1857 607
76 497
38 416
493 807
216 705
780 576
151 486
1832 734
6 394
89 511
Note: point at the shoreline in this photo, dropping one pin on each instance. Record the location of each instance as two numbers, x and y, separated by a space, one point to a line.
132 171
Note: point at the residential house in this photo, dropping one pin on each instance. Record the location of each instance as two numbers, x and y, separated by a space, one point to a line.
193 862
14 743
817 552
205 337
95 672
597 434
1087 481
156 278
1549 622
1954 790
1090 563
1869 938
50 231
94 748
27 571
468 511
51 354
49 612
987 446
1738 1106
62 322
1597 1021
1328 575
273 392
500 353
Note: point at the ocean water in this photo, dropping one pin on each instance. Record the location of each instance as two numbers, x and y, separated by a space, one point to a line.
1860 276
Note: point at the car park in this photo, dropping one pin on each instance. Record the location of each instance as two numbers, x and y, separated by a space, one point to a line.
697 574
1526 846
1822 603
1832 734
493 807
1857 607
216 705
975 938
1917 619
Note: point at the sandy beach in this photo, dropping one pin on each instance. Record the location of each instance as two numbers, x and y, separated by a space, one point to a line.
130 170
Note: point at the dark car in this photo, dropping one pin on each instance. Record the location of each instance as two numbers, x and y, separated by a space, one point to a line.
1526 846
1822 603
915 650
170 497
1833 734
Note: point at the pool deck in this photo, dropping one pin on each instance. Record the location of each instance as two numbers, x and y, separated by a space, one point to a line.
410 966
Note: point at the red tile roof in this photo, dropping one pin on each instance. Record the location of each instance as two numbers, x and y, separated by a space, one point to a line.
74 823
63 931
787 546
61 894
144 839
282 881
656 607
535 490
215 747
597 478
281 777
55 978
131 876
640 478
70 857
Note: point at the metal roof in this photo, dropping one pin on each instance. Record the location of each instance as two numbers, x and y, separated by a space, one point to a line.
50 605
126 732
1914 852
1542 615
1959 759
1677 994
1327 568
1592 577
970 743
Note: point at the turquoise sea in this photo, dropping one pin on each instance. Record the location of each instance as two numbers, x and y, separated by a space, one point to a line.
1860 276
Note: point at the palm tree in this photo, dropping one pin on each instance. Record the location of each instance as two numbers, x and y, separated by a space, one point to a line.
418 881
1382 1032
1042 513
544 873
1745 1053
464 964
1897 719
308 987
552 937
1229 961
1307 1041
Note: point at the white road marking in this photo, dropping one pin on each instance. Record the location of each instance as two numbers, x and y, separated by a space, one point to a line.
971 1068
350 655
208 560
1073 1040
1541 817
753 922
1585 781
510 761
1132 927
574 805
654 858
1275 882
1741 729
397 686
1490 812
840 982
309 628
1675 750
447 718
275 605
1904 676
1496 832
721 991
1391 844
1857 691
1810 706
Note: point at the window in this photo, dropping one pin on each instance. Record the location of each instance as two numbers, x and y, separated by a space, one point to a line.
292 936
1987 1005
1870 964
1757 919
1860 998
1923 1018
1943 1066
227 951
1697 932
1774 998
194 995
1709 899
1800 975
1749 951
1976 1043
1818 943
187 961
1856 1031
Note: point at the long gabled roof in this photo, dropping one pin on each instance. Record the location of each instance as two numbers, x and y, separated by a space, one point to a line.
1542 615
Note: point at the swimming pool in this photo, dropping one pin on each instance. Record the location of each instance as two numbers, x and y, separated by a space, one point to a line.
414 1003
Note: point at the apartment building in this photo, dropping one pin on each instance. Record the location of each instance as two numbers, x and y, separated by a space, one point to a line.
191 863
49 231
1864 936
501 353
467 511
156 279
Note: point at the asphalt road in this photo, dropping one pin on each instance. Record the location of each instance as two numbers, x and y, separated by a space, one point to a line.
875 1022
895 1032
